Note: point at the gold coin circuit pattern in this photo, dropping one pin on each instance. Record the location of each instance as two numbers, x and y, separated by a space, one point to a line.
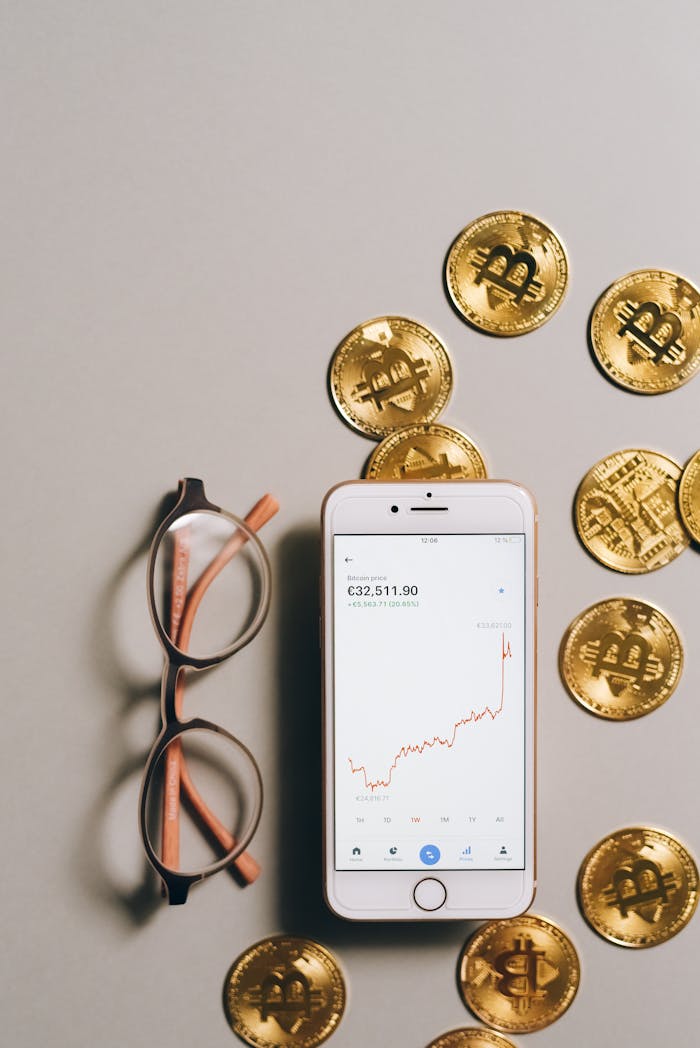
471 1037
645 331
507 273
519 975
689 496
390 372
626 512
426 452
284 991
621 658
638 887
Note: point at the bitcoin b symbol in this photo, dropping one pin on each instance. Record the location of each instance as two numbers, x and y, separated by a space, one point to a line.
391 375
656 333
523 973
642 888
512 272
624 661
288 998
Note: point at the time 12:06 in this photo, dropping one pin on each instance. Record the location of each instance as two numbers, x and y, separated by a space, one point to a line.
382 591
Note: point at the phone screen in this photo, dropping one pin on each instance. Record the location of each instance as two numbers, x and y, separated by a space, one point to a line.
429 701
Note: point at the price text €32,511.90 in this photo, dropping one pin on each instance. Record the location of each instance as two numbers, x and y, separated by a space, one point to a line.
382 591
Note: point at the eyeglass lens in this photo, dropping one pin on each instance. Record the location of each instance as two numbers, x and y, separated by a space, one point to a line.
202 801
208 581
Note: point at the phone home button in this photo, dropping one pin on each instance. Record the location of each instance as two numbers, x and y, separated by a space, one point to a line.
430 893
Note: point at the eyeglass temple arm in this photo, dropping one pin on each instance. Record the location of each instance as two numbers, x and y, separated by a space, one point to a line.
262 511
170 822
249 869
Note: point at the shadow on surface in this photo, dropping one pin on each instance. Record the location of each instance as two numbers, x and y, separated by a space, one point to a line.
139 896
302 910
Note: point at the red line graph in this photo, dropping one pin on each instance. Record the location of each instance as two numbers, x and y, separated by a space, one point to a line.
427 744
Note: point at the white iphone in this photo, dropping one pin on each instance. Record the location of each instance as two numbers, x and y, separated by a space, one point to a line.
428 635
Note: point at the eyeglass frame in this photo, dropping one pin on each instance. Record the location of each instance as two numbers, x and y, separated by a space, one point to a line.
192 499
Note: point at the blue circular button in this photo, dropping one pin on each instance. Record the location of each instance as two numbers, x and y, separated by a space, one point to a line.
429 854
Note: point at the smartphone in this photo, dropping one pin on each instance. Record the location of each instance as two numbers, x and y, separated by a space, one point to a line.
429 599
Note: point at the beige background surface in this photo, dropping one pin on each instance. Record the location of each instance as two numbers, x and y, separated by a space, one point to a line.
200 200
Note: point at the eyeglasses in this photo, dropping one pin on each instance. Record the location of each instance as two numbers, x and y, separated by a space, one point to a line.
195 766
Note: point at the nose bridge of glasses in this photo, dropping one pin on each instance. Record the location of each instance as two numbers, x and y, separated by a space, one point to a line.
171 671
171 714
174 680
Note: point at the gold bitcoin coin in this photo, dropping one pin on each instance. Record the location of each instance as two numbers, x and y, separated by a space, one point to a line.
284 991
626 513
519 975
645 331
621 658
429 452
390 372
689 496
507 273
471 1037
638 887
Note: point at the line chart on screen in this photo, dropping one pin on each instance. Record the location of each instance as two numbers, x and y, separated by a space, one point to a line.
473 717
